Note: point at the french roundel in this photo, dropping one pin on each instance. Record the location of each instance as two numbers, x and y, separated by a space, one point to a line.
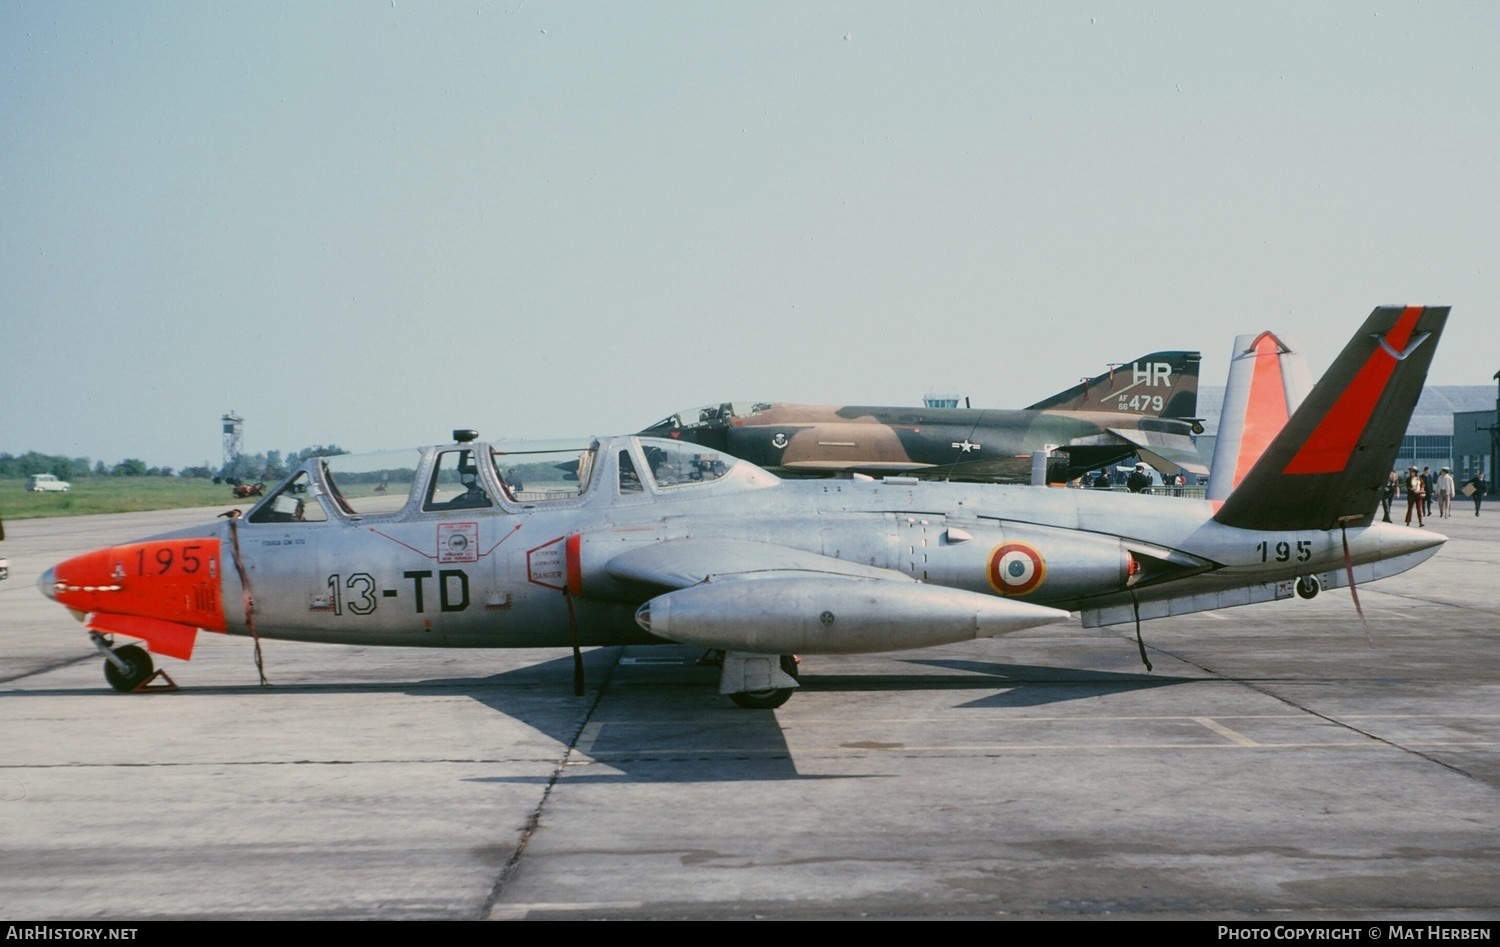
1016 568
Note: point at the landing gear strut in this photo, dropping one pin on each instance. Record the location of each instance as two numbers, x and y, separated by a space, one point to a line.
128 668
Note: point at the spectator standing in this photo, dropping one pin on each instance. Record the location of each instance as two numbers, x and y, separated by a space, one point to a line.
1416 496
1444 486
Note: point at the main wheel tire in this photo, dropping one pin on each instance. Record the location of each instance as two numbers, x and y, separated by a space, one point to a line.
139 660
771 697
768 699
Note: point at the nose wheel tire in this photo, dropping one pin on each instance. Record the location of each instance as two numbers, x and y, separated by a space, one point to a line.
139 671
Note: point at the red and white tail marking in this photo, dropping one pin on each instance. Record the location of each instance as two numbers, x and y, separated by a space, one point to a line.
1267 380
1328 448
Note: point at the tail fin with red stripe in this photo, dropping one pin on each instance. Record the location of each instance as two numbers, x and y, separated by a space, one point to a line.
1267 381
1326 467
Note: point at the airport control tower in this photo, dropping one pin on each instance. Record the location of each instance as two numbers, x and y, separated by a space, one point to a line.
234 430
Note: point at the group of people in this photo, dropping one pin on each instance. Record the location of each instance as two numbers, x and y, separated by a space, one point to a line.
1138 481
1423 487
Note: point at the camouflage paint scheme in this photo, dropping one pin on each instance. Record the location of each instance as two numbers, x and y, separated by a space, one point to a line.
1144 407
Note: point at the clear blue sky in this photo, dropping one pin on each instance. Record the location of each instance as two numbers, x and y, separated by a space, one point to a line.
369 223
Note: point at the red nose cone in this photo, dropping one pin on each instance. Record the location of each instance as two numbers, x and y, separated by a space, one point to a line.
175 580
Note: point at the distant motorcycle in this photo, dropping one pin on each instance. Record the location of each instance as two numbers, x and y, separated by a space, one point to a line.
243 490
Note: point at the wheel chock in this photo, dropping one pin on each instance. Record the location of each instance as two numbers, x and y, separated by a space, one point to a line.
146 687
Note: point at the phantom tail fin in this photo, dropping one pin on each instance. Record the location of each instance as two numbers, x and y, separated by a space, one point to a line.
1162 384
1267 381
1328 464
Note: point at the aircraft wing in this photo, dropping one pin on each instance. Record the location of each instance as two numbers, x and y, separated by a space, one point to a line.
1166 452
741 595
679 563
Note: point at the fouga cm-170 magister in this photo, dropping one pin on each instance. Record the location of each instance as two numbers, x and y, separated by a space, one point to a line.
632 539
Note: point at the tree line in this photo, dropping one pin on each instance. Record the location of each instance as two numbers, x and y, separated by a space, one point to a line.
272 465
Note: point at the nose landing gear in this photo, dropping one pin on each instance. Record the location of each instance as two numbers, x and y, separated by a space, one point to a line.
129 668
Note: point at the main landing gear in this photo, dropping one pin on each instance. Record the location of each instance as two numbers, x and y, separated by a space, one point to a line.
128 668
759 681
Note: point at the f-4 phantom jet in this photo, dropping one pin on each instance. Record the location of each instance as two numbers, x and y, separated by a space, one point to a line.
633 539
1143 407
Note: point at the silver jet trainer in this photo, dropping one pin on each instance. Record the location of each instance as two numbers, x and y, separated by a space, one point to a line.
631 539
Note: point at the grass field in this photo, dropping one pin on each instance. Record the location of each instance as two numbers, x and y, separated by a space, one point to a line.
112 495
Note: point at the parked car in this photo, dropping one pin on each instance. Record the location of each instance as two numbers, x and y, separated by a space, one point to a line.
47 483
